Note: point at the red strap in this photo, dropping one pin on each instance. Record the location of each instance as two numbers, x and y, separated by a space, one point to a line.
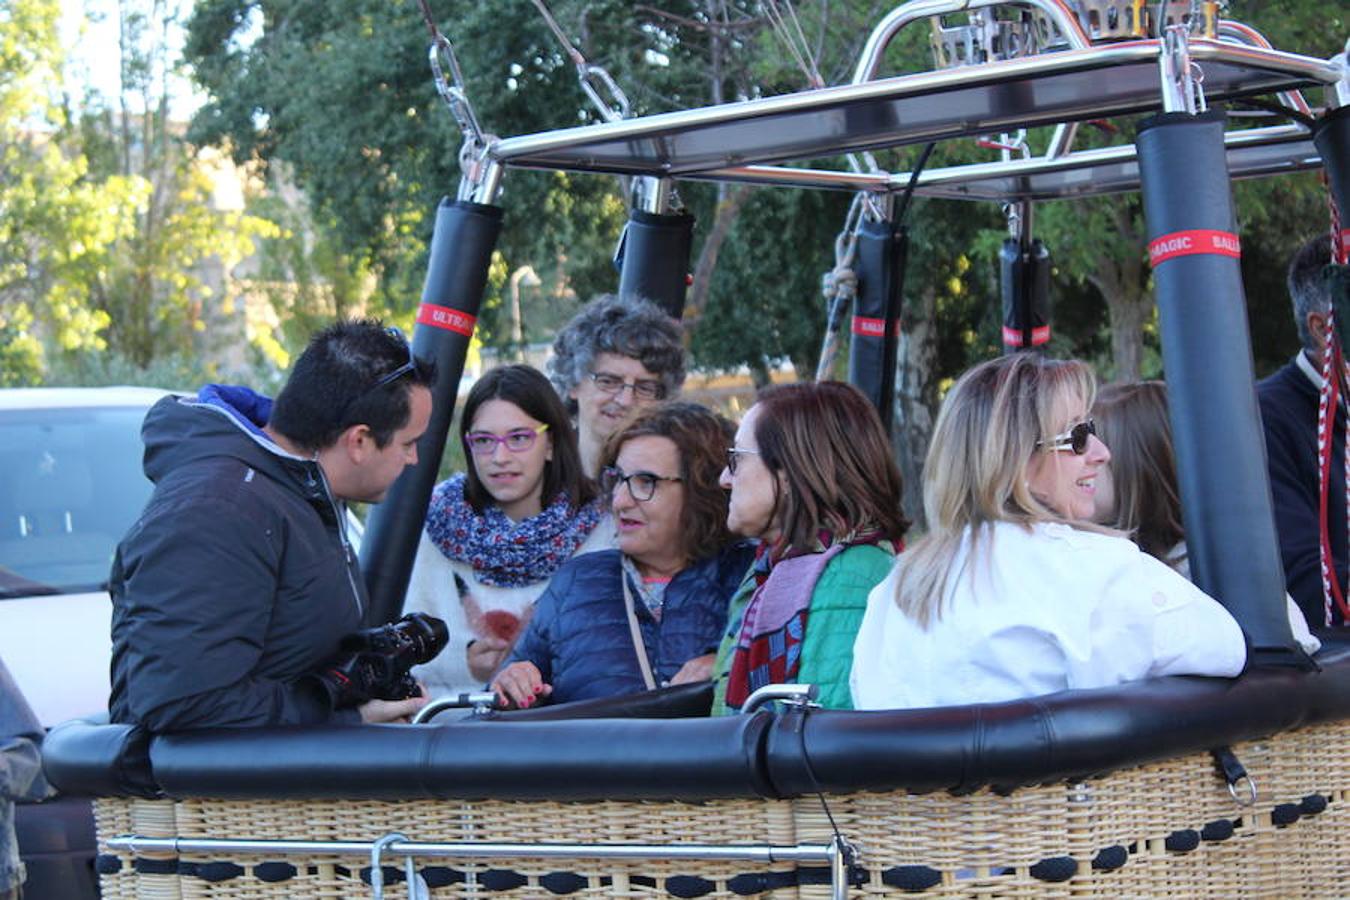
446 318
867 326
1193 241
1012 337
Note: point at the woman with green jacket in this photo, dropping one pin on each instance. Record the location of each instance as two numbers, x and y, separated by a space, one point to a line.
811 476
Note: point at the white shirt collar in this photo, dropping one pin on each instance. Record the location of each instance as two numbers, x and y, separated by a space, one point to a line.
1305 365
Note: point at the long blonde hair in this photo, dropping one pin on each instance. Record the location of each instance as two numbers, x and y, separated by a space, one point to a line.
975 473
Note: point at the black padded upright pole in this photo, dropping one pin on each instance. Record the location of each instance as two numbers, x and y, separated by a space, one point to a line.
653 258
882 251
1024 281
1216 427
1331 137
461 250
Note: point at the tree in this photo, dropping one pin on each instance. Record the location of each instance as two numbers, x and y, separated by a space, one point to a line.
159 287
55 226
106 219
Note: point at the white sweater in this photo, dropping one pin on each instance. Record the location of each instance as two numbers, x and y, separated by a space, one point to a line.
432 589
1041 610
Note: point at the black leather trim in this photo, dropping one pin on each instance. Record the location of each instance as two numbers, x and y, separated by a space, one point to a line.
1006 745
83 759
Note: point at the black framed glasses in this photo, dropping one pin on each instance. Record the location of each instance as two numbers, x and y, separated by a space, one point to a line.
518 440
643 388
734 455
1075 439
641 485
406 368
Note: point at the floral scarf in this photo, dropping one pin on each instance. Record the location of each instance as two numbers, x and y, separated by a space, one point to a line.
505 553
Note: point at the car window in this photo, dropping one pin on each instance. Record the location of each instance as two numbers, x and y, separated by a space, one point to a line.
70 486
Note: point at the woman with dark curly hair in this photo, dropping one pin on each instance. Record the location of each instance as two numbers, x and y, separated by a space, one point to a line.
651 612
812 477
615 358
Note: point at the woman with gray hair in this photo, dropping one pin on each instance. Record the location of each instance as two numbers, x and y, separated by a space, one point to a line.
616 357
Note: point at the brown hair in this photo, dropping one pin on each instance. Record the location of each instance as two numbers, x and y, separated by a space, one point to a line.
1132 421
702 438
827 444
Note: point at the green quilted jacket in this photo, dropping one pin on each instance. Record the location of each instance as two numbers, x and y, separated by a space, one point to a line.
837 608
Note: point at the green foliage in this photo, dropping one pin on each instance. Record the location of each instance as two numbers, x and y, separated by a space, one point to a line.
108 229
340 93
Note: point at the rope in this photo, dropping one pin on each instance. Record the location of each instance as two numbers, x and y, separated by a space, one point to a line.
572 52
429 19
839 286
797 43
1333 375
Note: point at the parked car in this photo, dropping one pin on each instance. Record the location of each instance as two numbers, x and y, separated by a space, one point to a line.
70 486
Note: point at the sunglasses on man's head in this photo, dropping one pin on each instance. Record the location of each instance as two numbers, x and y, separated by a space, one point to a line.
1075 439
389 377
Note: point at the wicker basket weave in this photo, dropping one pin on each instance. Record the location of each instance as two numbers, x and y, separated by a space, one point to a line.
1165 830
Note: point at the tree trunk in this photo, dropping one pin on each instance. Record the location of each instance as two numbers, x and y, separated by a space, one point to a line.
728 209
915 397
1128 313
1121 282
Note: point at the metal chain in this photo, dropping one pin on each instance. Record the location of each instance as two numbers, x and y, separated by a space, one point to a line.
473 152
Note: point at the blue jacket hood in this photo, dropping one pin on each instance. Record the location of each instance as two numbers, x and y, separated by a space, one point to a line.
222 420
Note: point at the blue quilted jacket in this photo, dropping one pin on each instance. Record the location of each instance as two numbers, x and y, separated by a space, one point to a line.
579 637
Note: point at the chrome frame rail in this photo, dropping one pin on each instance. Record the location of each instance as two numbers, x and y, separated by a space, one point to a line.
933 181
837 853
567 148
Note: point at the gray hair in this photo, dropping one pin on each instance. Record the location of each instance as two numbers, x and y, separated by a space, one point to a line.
624 326
1307 284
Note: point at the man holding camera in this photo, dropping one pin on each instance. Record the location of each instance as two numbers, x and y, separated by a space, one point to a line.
234 590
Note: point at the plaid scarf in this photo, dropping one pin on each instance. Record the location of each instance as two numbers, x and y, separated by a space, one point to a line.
505 553
769 649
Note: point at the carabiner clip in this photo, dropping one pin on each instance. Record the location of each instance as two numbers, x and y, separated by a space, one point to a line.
610 113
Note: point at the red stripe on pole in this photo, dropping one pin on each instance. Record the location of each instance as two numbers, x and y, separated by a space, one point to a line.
1012 337
1188 243
867 327
1345 242
446 318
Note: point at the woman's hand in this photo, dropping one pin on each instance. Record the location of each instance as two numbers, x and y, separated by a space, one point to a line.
520 684
485 656
700 668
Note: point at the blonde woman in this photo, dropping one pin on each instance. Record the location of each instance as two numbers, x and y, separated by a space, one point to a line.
1013 592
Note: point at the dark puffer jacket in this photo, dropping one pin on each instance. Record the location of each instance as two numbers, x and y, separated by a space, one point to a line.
236 580
579 636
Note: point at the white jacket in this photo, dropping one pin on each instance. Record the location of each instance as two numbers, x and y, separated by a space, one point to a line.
432 589
1039 610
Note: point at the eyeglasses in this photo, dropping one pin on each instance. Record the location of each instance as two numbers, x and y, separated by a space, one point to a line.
733 457
1075 439
518 440
390 378
641 485
643 388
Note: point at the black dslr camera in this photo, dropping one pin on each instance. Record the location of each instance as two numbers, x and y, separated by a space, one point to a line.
373 664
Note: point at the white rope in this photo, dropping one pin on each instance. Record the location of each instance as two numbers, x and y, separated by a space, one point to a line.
839 286
797 45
